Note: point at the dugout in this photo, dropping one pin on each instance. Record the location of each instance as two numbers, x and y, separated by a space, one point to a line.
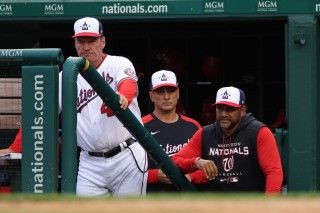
267 48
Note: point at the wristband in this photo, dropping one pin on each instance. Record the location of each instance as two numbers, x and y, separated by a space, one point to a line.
194 164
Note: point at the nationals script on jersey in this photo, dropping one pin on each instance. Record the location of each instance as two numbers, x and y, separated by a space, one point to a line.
97 128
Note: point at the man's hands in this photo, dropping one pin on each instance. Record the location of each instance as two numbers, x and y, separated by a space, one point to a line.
208 167
188 177
164 179
5 151
123 101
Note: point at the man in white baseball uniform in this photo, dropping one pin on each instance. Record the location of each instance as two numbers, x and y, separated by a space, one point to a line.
111 161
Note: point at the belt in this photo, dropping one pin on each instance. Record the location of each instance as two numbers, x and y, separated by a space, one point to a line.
112 152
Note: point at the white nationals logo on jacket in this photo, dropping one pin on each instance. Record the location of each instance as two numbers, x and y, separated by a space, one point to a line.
235 150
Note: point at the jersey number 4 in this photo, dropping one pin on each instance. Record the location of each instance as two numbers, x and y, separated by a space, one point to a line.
104 109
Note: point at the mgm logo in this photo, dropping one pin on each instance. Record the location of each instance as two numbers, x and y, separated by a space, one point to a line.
267 6
11 53
214 6
53 9
5 9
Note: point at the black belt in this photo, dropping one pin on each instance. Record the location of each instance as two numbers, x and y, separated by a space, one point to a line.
112 152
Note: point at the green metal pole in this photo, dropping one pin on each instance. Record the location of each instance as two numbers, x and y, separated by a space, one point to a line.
49 56
146 140
69 124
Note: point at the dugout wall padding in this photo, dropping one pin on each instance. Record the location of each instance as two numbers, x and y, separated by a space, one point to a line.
40 69
40 129
303 96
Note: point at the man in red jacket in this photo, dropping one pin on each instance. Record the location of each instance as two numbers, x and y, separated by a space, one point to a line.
15 147
237 152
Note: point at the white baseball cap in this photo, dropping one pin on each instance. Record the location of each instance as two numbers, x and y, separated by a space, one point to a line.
88 26
163 78
231 96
